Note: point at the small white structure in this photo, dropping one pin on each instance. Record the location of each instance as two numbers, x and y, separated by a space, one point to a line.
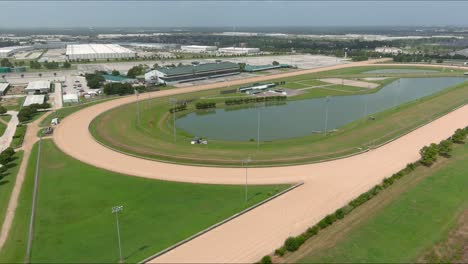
389 50
54 121
98 51
238 50
38 87
70 98
34 99
4 88
198 49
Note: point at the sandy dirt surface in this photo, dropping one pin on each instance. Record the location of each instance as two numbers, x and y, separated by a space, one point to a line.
29 139
328 185
355 83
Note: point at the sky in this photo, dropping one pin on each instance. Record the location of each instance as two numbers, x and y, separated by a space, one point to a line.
65 13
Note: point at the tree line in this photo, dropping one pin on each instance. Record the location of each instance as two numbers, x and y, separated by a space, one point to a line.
28 112
205 105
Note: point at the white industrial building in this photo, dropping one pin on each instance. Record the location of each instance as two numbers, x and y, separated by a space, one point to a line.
239 50
98 51
70 98
198 49
34 99
38 87
9 51
4 88
389 50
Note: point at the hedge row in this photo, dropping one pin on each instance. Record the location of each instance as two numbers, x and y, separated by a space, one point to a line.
293 243
178 108
205 105
18 137
6 157
429 154
251 100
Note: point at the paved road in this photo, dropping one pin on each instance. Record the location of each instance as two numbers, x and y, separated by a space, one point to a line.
7 137
328 185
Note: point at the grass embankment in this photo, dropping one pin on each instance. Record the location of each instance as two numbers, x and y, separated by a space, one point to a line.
74 222
118 128
7 181
18 137
3 127
399 224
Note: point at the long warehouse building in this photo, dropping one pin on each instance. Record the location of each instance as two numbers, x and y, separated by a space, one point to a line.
188 73
98 51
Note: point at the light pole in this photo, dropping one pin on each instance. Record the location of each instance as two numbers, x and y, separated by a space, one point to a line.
138 108
245 164
174 102
326 113
116 210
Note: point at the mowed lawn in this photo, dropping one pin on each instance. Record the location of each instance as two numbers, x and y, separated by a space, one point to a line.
74 222
411 224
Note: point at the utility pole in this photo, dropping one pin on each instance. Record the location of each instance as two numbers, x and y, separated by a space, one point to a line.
138 108
174 102
116 210
326 113
245 164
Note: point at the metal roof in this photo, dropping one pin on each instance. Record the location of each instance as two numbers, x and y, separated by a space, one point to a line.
34 99
118 78
3 87
79 49
194 69
38 85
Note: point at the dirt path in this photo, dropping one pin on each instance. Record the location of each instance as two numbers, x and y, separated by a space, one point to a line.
29 139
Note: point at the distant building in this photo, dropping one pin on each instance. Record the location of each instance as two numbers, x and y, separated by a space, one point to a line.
255 68
4 88
38 87
198 49
237 50
187 73
389 50
34 99
98 51
70 98
9 51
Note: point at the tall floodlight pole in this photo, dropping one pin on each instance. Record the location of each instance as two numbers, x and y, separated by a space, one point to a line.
174 102
326 113
116 210
245 164
138 108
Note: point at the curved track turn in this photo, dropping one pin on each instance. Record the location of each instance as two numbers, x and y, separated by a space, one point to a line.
328 185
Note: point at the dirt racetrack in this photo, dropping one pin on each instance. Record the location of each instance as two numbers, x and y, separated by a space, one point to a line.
328 185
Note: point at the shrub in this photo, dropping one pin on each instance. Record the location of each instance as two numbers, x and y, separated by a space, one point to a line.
266 260
445 148
3 110
205 105
293 243
429 154
340 214
311 231
280 251
459 136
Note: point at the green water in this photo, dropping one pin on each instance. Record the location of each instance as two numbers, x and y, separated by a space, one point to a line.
301 118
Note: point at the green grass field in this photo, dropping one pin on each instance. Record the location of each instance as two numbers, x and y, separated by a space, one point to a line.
6 118
74 222
3 127
155 139
7 181
409 225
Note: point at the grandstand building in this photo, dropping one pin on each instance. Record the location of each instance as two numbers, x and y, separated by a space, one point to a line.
188 73
198 49
98 51
237 50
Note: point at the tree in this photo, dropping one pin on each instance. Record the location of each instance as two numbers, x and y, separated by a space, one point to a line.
459 136
115 72
155 66
66 65
429 154
6 63
94 80
35 65
3 110
135 71
445 147
275 63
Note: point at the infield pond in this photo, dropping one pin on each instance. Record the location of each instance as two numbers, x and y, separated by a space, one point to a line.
300 118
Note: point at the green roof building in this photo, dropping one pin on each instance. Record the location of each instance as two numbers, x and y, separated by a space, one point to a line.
188 73
118 79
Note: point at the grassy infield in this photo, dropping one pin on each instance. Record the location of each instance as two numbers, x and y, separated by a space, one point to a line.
74 221
155 139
